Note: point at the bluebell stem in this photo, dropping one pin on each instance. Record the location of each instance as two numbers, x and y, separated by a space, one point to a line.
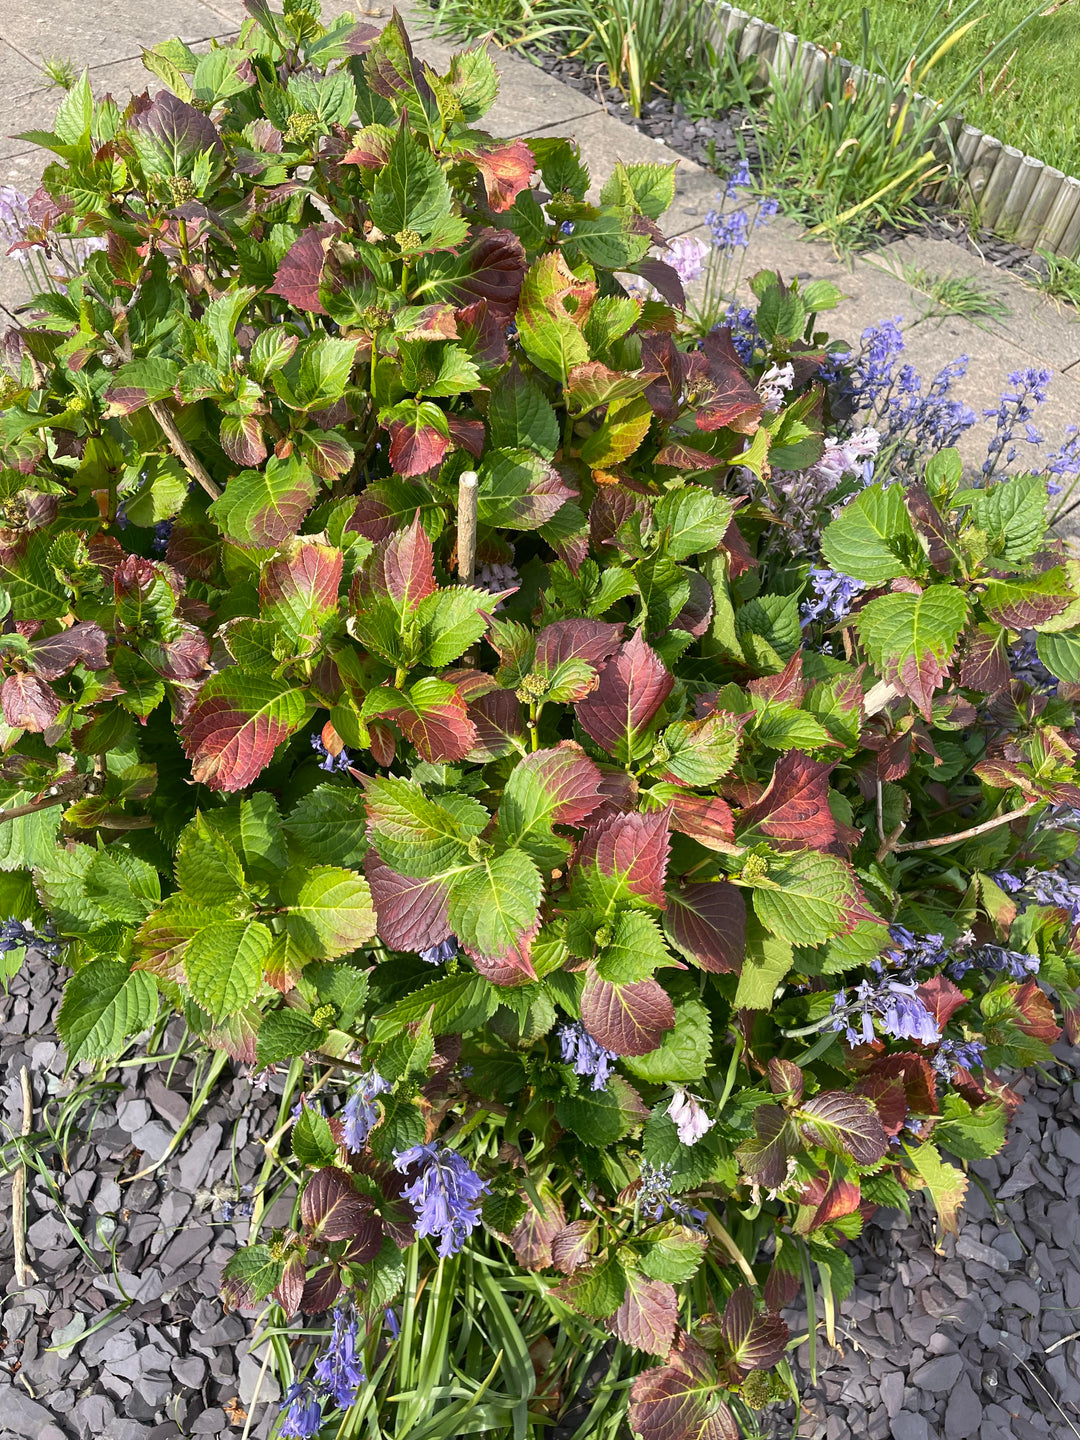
958 1054
339 1371
360 1113
655 1199
440 953
329 762
445 1195
893 1003
302 1412
588 1057
1016 407
832 598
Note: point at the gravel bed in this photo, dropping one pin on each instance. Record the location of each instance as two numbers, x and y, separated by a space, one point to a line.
172 1363
975 1342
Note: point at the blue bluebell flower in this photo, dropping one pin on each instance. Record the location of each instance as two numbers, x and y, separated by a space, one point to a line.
440 953
162 531
393 1324
958 1054
739 179
567 227
339 1371
832 599
302 1412
730 231
995 959
445 1195
1064 463
1026 666
745 335
1015 408
589 1058
360 1112
656 1201
893 1003
17 933
329 762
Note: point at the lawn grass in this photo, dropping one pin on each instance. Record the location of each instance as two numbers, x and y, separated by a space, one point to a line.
1028 98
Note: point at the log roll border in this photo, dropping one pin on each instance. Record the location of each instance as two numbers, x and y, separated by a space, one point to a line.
1015 195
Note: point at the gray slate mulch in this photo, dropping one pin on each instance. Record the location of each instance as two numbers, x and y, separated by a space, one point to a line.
964 1344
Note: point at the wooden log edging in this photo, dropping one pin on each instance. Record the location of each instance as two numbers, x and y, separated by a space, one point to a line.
1016 196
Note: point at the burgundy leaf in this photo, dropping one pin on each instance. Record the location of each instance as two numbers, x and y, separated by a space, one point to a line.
408 566
290 1289
570 781
795 803
328 455
664 278
679 371
629 1019
370 148
706 922
415 447
706 818
729 398
632 687
495 266
1035 1014
84 643
332 1208
697 612
505 165
467 434
785 1076
573 1247
180 129
186 656
611 508
241 437
300 272
28 703
236 723
842 1197
765 1158
756 1341
916 1076
411 912
984 660
499 721
593 641
649 1315
926 517
321 1290
942 998
681 1400
438 724
632 849
532 1236
841 1120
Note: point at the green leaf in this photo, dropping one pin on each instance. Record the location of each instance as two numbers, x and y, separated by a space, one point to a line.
694 520
494 908
29 579
103 1004
601 1117
521 417
607 238
332 913
29 841
637 949
807 897
457 1003
873 538
1060 653
551 309
208 870
911 639
450 621
691 1165
250 1276
75 113
768 959
262 836
265 507
224 965
122 886
417 836
411 193
780 725
775 619
312 1140
967 1133
674 1253
285 1033
1012 514
328 825
596 1291
684 1053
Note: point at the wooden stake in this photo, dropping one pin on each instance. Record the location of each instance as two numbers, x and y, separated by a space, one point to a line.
24 1273
468 489
182 450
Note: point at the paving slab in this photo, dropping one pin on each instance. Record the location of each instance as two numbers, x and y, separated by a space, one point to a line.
94 32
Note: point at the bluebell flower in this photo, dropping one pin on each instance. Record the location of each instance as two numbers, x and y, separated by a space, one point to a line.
832 598
895 1005
440 953
15 934
302 1412
1015 408
995 959
445 1195
655 1199
360 1113
739 179
1008 882
1026 666
588 1057
958 1054
339 1371
1065 462
767 209
686 256
162 531
745 335
1051 887
567 227
730 231
329 762
393 1324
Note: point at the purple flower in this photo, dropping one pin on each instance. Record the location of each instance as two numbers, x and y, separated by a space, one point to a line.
1025 664
1009 883
445 1195
739 179
15 934
329 762
832 598
1050 887
339 1371
730 231
302 1412
588 1057
745 335
767 209
393 1324
688 1113
995 960
567 227
893 1003
845 457
440 953
656 1200
360 1113
1015 408
1065 462
497 577
15 220
958 1054
162 531
686 256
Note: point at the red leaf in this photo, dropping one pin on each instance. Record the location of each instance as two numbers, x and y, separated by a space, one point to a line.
740 557
408 566
593 641
765 1158
573 1247
649 1315
85 643
332 1208
631 689
788 685
628 1019
411 912
917 1075
728 394
467 434
984 662
495 267
570 781
632 848
942 998
664 278
841 1198
371 148
680 372
290 1290
756 1341
241 437
434 717
186 656
889 1097
28 703
785 1077
1036 1014
415 447
795 804
505 166
237 722
532 1235
706 818
841 1120
706 922
697 612
681 1400
321 1290
303 583
298 275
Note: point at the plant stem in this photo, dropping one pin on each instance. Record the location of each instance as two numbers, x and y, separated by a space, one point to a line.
24 1273
971 832
182 450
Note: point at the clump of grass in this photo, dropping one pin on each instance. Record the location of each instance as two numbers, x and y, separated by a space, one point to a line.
60 72
960 295
1060 279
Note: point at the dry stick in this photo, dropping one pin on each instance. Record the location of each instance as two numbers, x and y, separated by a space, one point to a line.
24 1273
972 832
182 450
468 489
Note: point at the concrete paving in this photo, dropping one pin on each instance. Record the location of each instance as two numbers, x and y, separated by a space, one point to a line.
109 35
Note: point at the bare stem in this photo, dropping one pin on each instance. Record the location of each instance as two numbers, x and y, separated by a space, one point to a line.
24 1273
972 831
182 450
466 536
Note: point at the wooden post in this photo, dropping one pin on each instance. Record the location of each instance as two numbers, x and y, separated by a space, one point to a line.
468 486
1039 206
787 49
1066 205
999 185
1070 240
750 40
1017 200
981 169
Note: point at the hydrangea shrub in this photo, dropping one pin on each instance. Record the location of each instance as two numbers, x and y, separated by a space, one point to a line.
664 903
